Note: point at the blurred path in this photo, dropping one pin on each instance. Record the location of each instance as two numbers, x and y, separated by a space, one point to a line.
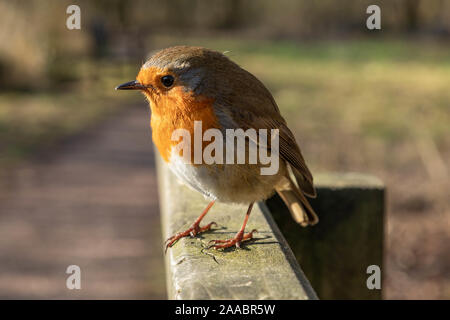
92 203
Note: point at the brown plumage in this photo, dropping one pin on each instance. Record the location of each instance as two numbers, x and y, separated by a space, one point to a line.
188 84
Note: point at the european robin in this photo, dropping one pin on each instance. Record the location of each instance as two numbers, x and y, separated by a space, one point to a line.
187 84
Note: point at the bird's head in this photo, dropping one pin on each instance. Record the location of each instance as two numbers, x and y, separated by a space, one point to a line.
181 74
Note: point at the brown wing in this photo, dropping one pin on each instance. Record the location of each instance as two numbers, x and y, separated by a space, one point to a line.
244 102
289 150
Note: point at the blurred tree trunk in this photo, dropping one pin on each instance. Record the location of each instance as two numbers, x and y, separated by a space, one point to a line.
233 10
412 15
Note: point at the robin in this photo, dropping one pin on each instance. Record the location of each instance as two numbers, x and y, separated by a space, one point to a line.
184 85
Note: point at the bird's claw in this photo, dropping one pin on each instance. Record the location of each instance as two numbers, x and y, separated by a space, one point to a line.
192 231
236 241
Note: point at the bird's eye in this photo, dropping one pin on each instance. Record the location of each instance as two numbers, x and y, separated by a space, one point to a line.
167 81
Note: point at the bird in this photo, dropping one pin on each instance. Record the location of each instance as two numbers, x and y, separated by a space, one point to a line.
188 84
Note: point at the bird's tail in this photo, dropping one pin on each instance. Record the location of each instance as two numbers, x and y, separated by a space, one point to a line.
298 205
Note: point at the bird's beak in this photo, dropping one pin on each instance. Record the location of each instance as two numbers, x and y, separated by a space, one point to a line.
131 85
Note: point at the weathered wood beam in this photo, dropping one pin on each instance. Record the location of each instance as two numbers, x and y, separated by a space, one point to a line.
264 268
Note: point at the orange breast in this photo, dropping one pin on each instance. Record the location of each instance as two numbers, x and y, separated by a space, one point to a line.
179 110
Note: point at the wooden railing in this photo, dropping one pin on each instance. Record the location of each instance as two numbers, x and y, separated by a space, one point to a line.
334 253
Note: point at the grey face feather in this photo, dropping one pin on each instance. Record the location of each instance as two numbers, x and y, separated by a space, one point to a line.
192 79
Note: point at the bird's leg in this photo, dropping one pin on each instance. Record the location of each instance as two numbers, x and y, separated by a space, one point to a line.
238 238
193 230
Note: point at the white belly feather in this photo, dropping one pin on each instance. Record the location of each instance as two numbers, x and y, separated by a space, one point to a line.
236 183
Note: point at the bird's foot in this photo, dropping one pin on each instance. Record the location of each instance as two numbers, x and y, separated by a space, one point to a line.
236 241
192 231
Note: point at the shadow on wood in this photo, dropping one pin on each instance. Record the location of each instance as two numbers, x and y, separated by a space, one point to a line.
335 253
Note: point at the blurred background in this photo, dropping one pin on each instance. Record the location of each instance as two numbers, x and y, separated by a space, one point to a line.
77 178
